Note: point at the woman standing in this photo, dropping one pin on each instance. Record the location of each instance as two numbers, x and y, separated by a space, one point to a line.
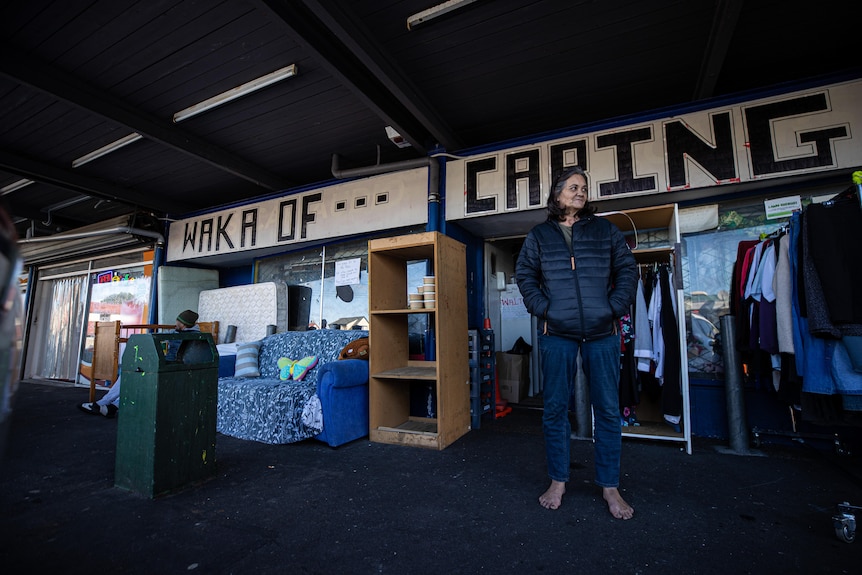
578 277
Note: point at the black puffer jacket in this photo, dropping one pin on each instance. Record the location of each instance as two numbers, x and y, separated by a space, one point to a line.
578 290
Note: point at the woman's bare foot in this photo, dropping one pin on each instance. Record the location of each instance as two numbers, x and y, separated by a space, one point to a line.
617 506
553 497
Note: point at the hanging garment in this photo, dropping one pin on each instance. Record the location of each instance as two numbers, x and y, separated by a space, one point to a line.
767 327
824 367
629 386
752 281
833 242
752 296
790 386
671 386
782 286
738 306
657 337
819 323
643 351
853 345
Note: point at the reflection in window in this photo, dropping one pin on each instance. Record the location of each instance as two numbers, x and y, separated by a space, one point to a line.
118 294
333 306
707 264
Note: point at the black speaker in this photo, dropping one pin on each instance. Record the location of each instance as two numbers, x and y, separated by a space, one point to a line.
298 307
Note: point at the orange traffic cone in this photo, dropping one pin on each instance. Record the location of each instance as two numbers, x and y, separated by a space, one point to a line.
502 408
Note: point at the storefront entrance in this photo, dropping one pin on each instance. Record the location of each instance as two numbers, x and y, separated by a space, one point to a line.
70 299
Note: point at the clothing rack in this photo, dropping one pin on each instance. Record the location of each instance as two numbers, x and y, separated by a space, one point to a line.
854 192
654 266
783 229
650 257
850 194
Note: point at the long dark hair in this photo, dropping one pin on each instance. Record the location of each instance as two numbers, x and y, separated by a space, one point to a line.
554 210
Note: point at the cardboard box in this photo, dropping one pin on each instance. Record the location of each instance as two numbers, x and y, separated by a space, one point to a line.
513 376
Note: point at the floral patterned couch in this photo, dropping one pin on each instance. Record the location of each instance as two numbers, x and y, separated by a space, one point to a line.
329 404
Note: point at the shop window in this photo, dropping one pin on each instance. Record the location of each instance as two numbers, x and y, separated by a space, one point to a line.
70 298
707 266
118 294
339 299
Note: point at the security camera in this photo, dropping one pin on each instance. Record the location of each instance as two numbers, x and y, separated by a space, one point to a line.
396 138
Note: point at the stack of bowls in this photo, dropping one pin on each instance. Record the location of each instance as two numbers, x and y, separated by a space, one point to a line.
417 301
428 292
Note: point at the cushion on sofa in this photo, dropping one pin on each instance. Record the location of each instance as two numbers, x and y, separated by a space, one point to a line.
356 349
301 367
247 359
295 369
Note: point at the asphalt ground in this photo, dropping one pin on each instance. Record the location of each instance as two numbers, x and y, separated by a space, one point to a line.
370 508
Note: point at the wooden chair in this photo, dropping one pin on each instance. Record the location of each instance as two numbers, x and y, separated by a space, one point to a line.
106 352
109 336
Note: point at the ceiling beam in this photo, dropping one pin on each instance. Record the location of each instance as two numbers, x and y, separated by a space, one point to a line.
78 182
723 25
332 35
39 219
23 68
349 29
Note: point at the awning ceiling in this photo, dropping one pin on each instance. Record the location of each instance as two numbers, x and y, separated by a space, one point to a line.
77 75
118 233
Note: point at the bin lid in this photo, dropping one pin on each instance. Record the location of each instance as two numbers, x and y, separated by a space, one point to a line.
170 351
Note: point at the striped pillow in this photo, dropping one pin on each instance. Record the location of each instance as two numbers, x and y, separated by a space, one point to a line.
246 359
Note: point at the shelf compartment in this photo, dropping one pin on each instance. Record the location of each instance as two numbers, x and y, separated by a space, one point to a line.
403 311
415 431
653 255
414 425
414 370
652 218
653 430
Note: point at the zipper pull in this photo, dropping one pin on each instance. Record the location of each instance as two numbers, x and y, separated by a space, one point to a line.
573 262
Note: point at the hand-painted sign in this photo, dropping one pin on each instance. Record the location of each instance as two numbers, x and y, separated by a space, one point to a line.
344 209
791 134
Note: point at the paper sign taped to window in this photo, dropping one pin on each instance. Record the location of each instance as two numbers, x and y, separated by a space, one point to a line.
347 272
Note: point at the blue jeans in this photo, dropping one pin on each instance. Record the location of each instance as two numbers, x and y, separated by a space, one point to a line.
600 360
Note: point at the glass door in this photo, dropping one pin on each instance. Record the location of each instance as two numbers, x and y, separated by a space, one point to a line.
58 311
121 294
68 301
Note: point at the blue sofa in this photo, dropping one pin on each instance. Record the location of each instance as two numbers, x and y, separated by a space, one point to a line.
330 404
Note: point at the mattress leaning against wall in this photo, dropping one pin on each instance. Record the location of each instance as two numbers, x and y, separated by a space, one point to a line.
250 308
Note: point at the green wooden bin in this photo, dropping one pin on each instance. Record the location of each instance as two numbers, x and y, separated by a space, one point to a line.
166 427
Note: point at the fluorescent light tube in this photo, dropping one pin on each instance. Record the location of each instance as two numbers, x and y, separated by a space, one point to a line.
435 12
107 149
218 100
15 186
237 92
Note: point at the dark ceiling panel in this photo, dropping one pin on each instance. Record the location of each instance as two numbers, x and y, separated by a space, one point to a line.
172 49
194 78
32 24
